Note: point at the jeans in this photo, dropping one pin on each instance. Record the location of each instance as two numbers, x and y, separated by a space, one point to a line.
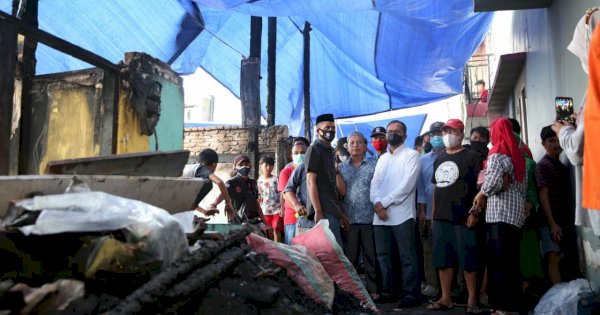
335 227
290 232
401 236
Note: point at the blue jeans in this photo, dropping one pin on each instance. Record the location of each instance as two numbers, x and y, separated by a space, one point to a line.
335 227
290 232
403 237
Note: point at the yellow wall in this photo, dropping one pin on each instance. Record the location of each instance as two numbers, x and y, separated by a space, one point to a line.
129 137
70 132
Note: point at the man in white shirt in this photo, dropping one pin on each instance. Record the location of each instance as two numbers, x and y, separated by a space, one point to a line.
393 192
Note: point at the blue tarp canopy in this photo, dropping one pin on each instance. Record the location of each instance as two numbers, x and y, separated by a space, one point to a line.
367 56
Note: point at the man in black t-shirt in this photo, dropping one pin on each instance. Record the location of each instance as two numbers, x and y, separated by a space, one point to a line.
322 179
454 239
244 194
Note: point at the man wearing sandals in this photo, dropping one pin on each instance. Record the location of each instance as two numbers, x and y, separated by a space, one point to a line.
454 236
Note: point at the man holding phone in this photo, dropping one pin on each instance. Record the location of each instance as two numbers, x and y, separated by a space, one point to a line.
558 236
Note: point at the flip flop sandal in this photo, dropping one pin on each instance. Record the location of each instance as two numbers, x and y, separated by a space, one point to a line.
438 307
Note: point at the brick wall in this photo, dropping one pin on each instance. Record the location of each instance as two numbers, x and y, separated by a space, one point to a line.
230 141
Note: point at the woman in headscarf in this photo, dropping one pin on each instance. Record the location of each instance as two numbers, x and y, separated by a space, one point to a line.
504 186
571 135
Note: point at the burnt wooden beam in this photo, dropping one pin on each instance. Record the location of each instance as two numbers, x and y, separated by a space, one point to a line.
271 66
8 55
250 92
27 12
306 76
503 5
59 44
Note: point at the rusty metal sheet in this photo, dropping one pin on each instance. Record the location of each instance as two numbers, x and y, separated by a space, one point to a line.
157 163
169 193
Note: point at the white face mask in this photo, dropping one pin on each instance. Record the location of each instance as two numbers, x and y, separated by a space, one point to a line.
451 141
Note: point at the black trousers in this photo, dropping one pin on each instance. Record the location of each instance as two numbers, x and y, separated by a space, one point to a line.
360 238
504 273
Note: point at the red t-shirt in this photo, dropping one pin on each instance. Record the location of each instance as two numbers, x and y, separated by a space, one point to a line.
284 176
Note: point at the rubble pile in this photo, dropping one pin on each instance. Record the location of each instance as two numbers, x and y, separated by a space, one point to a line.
99 272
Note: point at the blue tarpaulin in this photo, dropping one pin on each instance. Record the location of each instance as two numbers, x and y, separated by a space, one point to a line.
367 56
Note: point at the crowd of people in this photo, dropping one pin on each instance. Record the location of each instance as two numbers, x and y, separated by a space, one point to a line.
410 220
452 219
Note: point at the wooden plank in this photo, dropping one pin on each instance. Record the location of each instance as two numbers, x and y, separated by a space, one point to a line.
168 163
169 193
59 44
8 55
502 5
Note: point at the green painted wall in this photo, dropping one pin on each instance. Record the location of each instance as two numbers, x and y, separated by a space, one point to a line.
170 125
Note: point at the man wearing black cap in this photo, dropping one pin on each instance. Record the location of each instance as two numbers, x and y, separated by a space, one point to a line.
379 141
322 179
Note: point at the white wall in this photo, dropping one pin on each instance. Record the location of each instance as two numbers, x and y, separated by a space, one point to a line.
550 70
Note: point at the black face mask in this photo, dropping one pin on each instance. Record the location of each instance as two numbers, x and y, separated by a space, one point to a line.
328 135
244 171
394 139
479 146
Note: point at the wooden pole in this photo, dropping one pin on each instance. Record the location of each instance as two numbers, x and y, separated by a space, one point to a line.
250 92
25 12
306 74
271 71
8 55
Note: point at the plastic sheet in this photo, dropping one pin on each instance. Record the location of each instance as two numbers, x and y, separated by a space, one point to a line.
563 298
161 234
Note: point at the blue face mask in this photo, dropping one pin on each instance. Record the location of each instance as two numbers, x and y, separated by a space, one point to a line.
298 158
437 142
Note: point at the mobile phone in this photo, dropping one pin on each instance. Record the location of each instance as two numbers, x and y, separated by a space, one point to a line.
564 109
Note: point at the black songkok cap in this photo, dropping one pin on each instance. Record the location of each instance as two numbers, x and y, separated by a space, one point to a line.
324 117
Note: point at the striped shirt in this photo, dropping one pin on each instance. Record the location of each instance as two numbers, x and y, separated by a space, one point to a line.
503 206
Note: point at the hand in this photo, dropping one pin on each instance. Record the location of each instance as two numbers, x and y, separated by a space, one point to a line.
480 200
558 125
210 212
472 220
528 209
230 212
556 232
382 214
319 216
207 212
300 209
344 223
423 217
